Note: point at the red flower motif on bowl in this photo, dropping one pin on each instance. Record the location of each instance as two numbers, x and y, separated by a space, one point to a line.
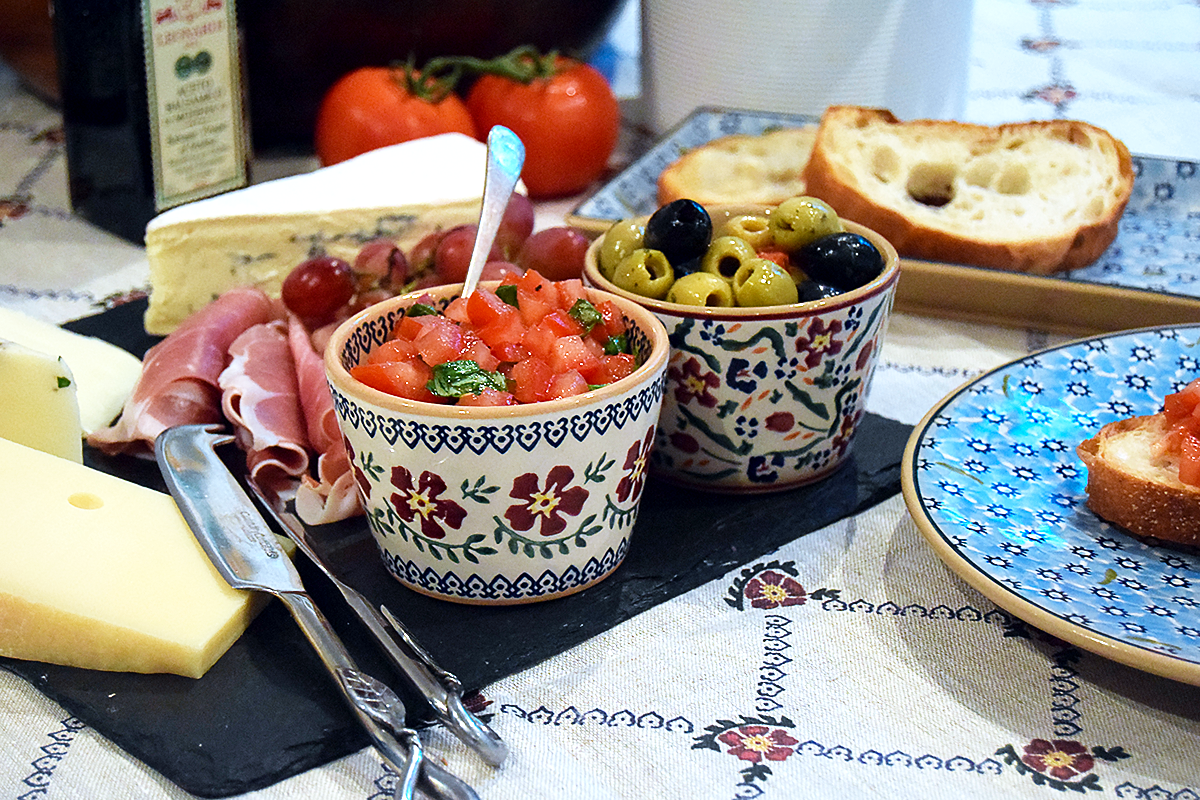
819 340
693 383
423 500
545 505
630 485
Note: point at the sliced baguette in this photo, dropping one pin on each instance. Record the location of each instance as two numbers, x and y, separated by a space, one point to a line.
1035 197
740 169
1131 485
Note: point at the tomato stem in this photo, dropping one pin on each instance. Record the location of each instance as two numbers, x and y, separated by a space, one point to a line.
427 84
441 74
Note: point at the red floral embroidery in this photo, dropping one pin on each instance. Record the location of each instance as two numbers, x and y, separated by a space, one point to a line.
630 486
1061 759
756 742
545 505
423 501
693 383
12 208
819 340
774 589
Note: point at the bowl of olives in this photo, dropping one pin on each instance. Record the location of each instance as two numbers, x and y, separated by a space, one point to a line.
776 317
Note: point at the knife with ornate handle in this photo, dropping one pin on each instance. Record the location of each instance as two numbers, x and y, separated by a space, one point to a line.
247 554
441 689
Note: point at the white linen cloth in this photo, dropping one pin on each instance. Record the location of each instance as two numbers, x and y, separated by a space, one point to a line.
892 679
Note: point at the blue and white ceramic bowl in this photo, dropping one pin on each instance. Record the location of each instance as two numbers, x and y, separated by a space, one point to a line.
768 398
498 505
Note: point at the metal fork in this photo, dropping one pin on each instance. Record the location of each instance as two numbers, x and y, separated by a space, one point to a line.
441 689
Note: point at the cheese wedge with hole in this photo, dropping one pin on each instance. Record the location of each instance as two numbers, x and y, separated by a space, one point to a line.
39 406
101 573
104 373
255 236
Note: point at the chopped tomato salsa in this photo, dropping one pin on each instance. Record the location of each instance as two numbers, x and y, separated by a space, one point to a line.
530 339
1182 410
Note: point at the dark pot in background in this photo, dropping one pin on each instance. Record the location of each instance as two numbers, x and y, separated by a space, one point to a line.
296 49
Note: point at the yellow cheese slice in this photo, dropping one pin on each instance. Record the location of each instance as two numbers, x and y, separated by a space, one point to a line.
101 573
257 235
38 403
104 373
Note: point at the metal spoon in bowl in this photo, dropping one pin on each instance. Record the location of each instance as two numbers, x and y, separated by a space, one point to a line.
505 157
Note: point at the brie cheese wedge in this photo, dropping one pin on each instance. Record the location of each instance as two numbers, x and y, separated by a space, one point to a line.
257 235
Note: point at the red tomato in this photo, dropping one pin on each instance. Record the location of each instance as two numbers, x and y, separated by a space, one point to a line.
1189 460
1182 403
401 378
568 123
553 357
373 107
489 397
530 380
567 384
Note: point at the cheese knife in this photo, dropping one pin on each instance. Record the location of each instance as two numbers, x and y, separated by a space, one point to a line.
248 556
441 689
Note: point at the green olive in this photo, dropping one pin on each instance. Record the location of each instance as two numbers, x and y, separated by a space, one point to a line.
761 282
701 289
619 241
754 228
646 273
800 220
725 256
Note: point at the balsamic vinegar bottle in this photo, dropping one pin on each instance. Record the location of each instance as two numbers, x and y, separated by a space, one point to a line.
153 106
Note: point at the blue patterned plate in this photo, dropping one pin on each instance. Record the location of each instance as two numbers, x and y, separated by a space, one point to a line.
992 479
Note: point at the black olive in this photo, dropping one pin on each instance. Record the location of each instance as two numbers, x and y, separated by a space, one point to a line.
811 290
681 230
842 260
687 267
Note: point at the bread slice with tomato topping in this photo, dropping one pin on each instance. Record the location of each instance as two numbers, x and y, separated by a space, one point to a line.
1144 472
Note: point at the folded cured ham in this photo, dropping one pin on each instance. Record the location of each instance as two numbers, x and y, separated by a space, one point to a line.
179 380
330 495
260 398
241 360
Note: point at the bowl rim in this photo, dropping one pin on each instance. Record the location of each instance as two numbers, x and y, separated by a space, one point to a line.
344 382
885 279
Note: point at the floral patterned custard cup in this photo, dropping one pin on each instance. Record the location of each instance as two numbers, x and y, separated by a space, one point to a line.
766 398
503 504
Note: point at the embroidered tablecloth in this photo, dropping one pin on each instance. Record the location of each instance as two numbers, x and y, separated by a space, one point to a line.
849 663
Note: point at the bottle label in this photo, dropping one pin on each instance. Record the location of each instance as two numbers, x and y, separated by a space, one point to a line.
198 136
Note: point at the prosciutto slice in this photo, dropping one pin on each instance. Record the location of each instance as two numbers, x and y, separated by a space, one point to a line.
260 397
178 384
331 495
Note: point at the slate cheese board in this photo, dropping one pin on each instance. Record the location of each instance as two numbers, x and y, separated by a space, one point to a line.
267 710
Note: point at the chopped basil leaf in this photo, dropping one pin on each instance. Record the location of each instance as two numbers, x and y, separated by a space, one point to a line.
508 293
586 315
616 344
464 376
592 386
420 310
63 382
